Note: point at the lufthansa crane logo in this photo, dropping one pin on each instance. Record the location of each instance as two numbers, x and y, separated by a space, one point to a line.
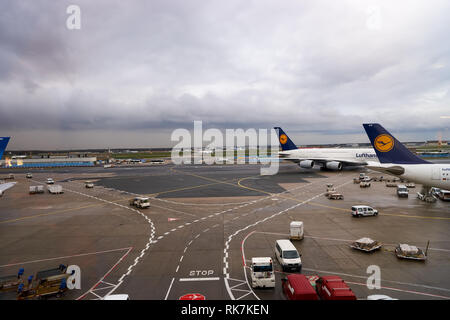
384 143
283 139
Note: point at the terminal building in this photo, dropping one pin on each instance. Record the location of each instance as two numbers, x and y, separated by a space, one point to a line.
51 162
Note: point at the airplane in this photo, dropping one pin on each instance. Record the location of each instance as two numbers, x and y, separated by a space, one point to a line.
3 143
4 186
395 159
326 158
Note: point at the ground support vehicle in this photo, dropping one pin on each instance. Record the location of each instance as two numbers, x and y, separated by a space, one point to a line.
363 211
140 202
402 191
298 287
335 196
405 251
36 189
364 184
296 230
262 273
46 283
366 245
333 288
55 189
12 282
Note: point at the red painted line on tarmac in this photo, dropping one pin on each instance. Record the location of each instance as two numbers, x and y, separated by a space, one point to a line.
401 290
242 248
103 278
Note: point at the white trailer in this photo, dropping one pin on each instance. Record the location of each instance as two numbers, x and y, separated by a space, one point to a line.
296 232
55 189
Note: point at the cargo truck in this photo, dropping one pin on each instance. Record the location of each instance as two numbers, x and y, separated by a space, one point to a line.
298 287
333 288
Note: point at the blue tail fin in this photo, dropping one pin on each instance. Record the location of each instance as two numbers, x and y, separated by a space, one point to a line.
3 143
285 142
389 149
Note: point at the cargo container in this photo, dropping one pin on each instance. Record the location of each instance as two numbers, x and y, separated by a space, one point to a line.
36 189
296 230
55 189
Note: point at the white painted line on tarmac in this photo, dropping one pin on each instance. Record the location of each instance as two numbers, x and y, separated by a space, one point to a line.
170 287
64 257
200 279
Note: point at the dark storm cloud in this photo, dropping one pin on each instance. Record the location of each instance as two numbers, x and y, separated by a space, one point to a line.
317 67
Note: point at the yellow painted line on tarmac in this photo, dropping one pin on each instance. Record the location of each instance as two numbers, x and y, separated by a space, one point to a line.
418 217
227 182
330 207
252 189
181 189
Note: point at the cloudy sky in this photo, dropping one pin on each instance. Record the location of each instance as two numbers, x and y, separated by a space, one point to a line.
138 69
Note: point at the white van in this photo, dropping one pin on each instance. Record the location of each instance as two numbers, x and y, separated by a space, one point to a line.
402 191
288 256
262 273
363 211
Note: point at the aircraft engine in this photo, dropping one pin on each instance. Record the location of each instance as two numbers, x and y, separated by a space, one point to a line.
334 165
307 164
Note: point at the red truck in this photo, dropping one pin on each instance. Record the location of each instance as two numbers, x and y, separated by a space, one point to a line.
333 288
298 287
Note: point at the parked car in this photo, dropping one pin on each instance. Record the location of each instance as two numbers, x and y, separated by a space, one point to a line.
50 181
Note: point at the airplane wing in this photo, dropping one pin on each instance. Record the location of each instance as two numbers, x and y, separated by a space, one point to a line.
395 170
6 186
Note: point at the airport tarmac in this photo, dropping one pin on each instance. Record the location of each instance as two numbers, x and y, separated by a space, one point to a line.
206 222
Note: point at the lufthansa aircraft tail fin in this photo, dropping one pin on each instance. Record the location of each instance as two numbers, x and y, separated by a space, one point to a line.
389 149
3 143
285 143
